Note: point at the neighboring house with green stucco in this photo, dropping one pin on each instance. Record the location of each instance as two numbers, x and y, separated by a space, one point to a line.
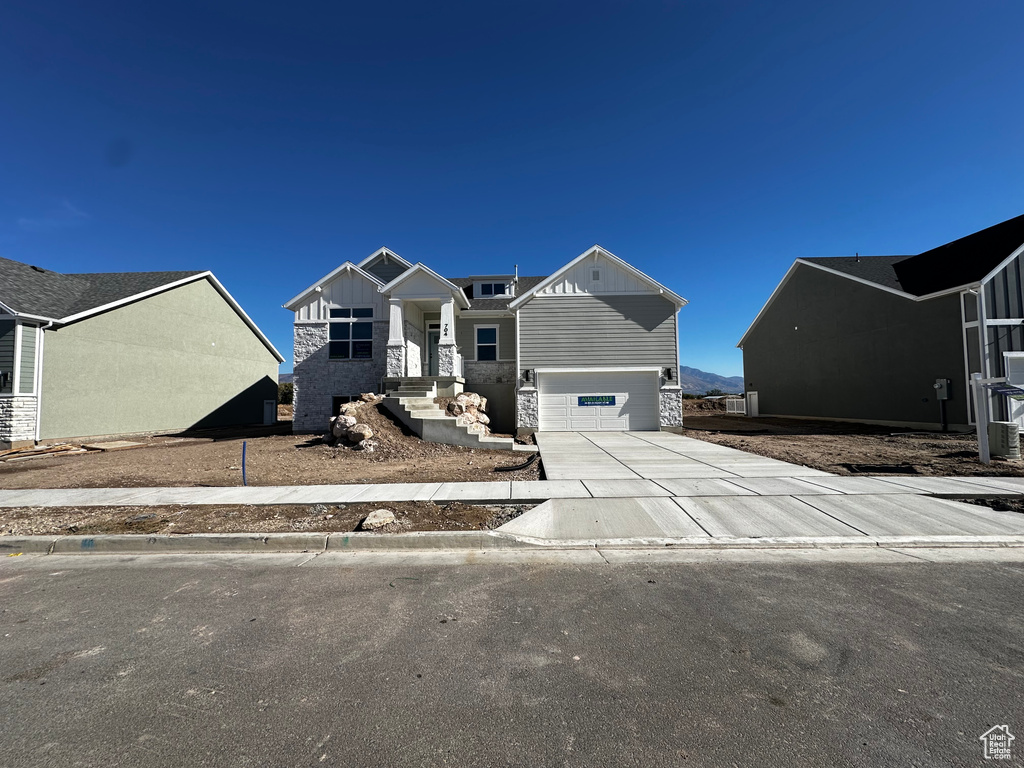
90 355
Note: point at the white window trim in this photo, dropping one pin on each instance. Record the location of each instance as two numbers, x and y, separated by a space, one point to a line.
478 294
497 343
371 319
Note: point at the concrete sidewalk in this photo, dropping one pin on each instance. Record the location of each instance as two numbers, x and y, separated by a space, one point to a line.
517 491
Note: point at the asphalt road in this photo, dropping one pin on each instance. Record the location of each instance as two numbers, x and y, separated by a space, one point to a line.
363 660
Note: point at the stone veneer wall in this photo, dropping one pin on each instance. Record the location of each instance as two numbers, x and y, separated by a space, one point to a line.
527 409
17 420
490 372
319 379
671 406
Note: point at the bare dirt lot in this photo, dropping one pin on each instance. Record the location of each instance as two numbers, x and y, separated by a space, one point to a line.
319 518
273 457
842 448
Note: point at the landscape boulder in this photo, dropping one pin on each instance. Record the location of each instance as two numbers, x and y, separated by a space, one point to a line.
469 410
350 409
359 432
378 519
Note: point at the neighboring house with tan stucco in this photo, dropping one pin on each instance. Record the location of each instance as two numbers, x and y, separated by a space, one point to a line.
90 355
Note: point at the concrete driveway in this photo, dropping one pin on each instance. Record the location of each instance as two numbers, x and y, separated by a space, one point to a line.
652 456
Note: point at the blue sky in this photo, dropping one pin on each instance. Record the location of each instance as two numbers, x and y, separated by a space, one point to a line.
708 143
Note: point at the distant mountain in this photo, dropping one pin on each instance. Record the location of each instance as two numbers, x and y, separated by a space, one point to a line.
698 382
284 378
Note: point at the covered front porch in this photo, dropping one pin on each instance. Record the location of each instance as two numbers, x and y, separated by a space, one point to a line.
423 311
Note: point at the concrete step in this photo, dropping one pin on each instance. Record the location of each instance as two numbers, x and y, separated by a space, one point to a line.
427 420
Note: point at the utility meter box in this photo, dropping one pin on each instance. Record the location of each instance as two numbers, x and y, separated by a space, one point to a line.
942 389
1004 439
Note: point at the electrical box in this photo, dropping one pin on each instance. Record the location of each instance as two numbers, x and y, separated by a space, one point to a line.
942 389
1004 439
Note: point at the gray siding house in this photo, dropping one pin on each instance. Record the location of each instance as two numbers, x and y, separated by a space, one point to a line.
89 355
865 338
594 346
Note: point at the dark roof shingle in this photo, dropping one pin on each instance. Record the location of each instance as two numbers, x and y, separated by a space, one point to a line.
525 284
961 262
41 292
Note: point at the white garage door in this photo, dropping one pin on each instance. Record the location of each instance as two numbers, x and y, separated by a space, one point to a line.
598 401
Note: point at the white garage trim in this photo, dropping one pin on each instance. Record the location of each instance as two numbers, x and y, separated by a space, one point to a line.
633 392
598 370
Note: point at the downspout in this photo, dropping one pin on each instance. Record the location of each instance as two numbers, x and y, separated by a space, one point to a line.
39 376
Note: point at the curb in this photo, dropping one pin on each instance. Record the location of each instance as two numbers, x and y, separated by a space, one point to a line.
255 543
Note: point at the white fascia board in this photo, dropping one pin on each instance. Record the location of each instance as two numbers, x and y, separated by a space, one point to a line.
460 297
771 300
241 313
862 281
10 311
1003 263
385 252
678 300
486 313
135 297
347 266
602 369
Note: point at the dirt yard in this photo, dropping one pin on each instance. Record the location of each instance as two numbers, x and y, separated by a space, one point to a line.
319 518
841 448
273 457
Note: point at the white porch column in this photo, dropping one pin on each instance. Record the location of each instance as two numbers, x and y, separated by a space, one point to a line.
395 367
446 364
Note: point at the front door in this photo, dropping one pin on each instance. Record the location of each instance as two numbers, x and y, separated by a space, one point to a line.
433 337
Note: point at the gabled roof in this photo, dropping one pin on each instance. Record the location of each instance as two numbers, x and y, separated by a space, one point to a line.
48 295
384 252
879 270
491 304
420 268
42 294
348 266
962 262
966 262
678 300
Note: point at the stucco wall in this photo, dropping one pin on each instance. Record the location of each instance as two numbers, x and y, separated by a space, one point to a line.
829 347
179 359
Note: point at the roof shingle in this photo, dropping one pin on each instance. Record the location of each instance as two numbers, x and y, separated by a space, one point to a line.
41 292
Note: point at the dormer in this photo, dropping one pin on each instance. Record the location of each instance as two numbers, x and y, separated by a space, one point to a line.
493 286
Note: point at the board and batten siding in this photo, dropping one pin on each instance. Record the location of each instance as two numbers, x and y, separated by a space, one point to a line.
385 270
597 331
346 290
27 376
7 332
465 335
578 280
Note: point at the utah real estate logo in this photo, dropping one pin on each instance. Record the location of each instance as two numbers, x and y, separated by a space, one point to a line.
997 741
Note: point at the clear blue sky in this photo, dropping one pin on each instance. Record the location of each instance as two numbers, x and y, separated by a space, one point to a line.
708 143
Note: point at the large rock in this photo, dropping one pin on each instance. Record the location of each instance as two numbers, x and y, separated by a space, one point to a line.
467 398
369 397
360 432
455 409
350 409
378 519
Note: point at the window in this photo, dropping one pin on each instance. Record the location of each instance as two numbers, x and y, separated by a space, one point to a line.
486 342
351 333
595 275
491 290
